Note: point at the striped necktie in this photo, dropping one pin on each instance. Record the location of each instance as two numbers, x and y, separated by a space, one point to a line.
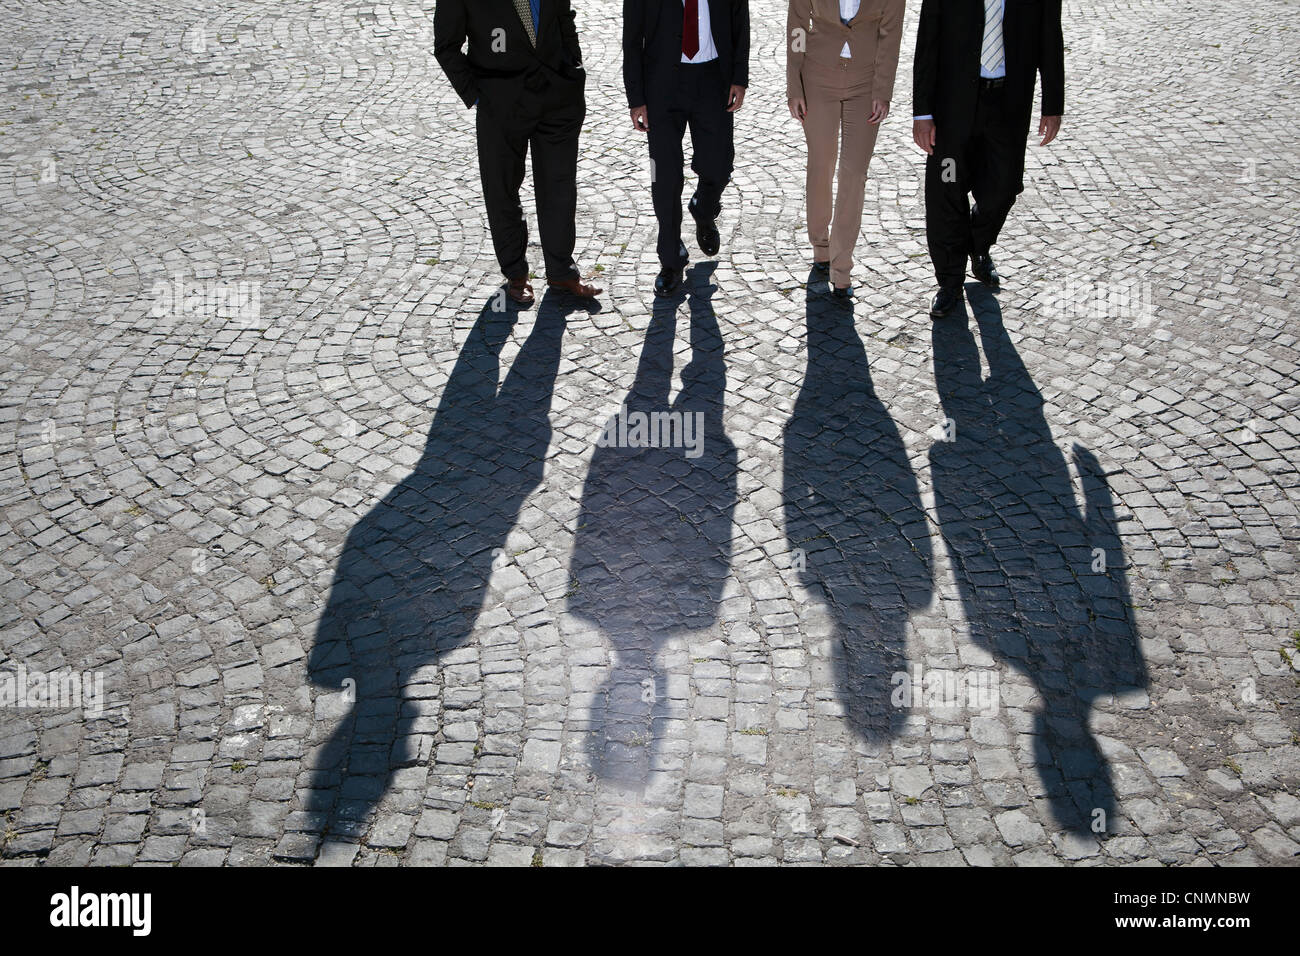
992 55
525 12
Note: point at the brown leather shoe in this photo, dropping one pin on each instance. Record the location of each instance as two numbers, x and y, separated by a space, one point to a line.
575 287
520 291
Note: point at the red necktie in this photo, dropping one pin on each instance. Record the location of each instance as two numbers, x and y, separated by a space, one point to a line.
691 28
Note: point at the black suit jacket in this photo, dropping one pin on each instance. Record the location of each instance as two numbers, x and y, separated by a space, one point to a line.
501 62
946 72
652 45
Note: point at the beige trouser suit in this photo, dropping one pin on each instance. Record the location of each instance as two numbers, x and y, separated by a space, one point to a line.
838 91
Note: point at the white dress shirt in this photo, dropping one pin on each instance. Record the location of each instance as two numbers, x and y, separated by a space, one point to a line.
848 10
1001 71
707 50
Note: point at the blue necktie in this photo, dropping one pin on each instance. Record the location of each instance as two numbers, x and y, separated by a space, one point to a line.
536 6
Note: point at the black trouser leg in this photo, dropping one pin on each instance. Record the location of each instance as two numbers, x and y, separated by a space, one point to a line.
947 209
999 171
667 126
555 181
501 149
713 144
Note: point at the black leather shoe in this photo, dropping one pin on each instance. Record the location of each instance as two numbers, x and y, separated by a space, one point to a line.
706 231
981 267
821 269
668 281
945 300
844 293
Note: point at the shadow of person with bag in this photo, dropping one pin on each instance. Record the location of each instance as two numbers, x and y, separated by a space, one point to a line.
1044 585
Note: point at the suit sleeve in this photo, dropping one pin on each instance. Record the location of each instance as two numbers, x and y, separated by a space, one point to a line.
888 42
925 68
740 43
450 31
798 21
1052 60
569 29
634 52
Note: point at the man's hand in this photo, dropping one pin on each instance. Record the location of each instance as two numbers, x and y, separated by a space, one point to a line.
1048 127
798 108
735 98
923 133
640 119
879 110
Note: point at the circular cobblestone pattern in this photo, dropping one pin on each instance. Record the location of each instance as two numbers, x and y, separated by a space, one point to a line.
309 555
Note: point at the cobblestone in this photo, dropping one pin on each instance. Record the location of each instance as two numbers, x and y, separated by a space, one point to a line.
364 588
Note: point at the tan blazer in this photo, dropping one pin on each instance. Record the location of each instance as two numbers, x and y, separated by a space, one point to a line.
813 31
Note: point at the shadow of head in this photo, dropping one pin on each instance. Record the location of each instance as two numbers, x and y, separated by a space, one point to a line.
414 572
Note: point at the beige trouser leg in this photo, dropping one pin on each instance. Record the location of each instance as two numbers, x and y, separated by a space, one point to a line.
836 129
857 142
821 129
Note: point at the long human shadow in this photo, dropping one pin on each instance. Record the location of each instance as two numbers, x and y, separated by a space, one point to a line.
413 575
653 544
1044 585
854 520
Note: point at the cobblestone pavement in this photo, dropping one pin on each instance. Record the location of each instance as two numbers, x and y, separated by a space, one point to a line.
364 586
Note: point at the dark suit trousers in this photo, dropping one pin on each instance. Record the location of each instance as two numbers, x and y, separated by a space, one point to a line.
988 163
696 99
547 123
